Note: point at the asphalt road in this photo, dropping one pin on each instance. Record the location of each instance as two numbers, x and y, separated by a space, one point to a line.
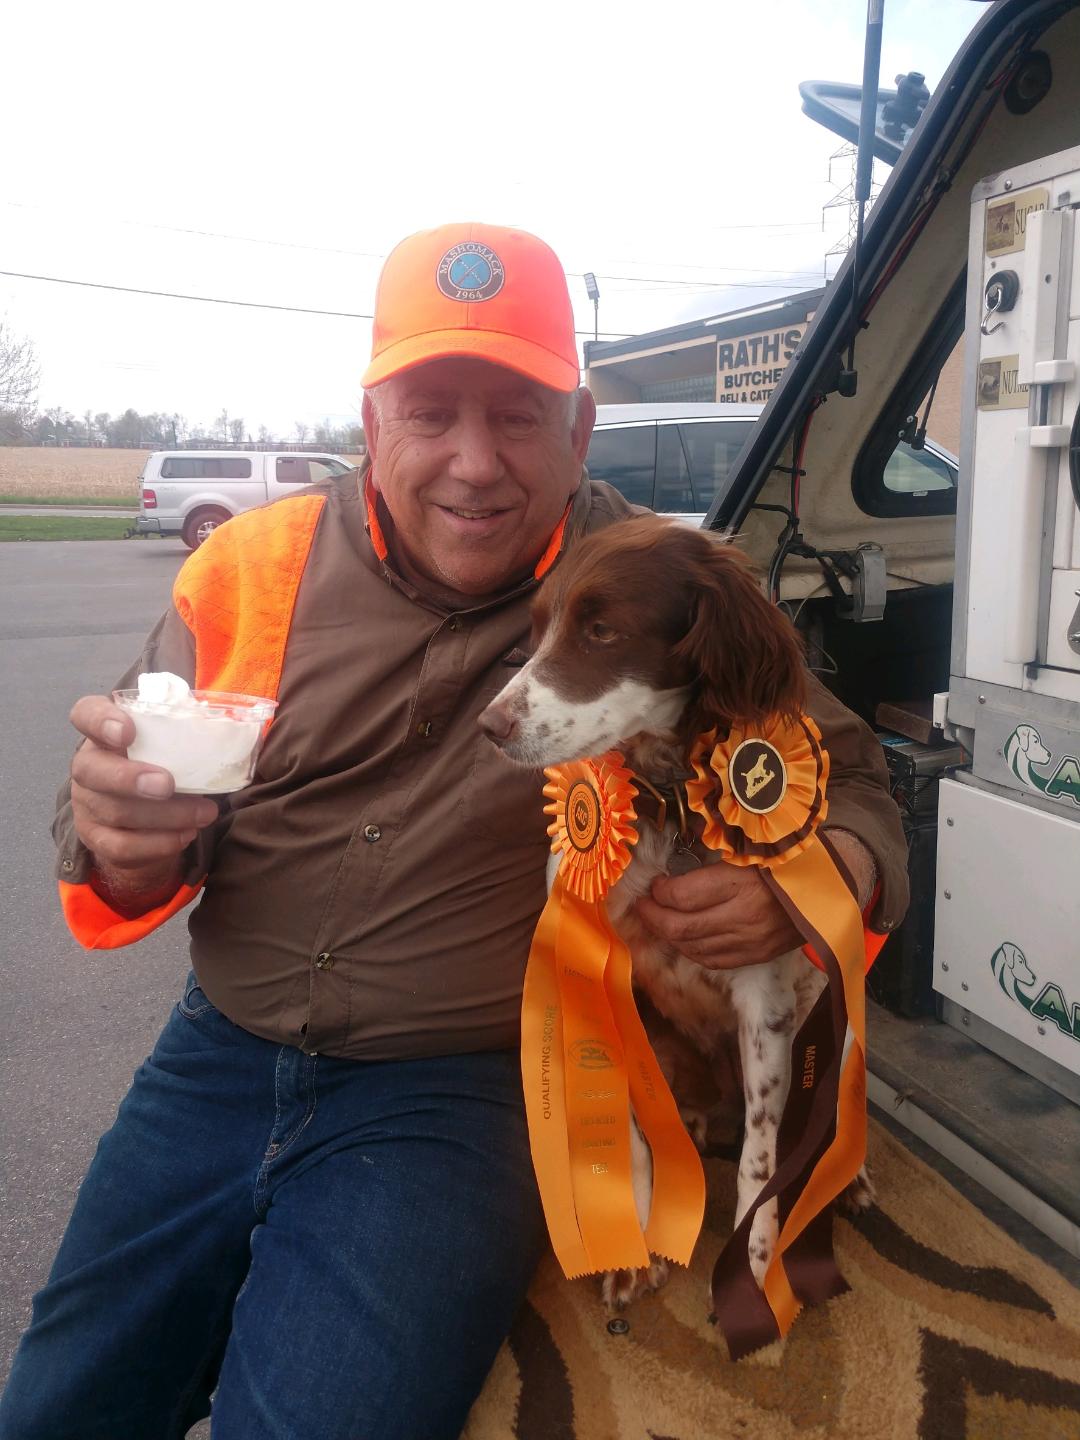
74 1025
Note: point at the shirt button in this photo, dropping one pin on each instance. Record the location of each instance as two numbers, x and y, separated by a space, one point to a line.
372 833
454 623
324 961
67 865
424 729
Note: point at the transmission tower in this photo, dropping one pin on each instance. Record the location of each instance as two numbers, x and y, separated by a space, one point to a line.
844 161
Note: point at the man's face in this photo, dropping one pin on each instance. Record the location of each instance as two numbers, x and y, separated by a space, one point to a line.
475 465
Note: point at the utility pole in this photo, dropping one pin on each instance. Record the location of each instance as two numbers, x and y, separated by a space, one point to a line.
593 291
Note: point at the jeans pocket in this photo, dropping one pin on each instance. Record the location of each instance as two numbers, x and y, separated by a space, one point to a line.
194 1001
195 1005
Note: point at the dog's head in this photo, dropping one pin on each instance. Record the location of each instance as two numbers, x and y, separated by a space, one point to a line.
647 628
1031 743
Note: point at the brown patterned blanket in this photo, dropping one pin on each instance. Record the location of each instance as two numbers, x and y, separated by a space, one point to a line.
951 1331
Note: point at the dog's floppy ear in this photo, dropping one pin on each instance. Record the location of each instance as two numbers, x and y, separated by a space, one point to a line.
743 652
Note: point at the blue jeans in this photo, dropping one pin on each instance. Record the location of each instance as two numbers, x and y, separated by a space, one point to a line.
338 1247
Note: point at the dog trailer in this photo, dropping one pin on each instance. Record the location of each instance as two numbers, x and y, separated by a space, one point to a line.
949 618
1007 951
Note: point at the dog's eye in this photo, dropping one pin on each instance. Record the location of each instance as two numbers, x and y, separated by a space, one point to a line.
601 633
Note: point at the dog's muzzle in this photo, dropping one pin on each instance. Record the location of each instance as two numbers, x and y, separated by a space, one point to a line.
501 721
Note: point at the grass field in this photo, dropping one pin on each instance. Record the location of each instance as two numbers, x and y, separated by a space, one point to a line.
37 474
43 474
62 527
111 502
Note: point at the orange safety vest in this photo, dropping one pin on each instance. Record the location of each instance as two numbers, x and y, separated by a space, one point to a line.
236 594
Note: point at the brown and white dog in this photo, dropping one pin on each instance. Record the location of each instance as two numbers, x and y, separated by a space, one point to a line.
645 635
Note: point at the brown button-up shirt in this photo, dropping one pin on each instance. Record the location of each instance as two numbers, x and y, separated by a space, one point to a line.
373 893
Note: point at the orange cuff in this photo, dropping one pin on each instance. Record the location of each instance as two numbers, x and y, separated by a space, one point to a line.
97 926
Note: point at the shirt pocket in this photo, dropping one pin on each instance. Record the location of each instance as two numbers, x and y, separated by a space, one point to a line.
504 801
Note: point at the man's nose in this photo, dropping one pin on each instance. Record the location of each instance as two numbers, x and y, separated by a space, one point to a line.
499 722
476 459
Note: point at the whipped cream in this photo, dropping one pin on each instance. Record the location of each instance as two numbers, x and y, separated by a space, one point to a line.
208 742
162 687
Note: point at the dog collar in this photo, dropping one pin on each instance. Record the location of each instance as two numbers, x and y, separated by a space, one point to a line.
661 803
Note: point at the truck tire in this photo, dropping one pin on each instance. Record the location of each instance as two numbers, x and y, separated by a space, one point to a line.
199 524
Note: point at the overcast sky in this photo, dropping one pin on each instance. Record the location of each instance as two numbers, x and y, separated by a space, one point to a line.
661 146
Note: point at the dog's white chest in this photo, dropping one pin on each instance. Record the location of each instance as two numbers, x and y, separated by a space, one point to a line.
695 999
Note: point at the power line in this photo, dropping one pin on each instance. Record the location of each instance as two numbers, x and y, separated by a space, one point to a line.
770 225
218 300
718 284
222 235
704 287
173 295
379 255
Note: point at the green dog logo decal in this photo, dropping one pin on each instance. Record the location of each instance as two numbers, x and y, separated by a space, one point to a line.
1015 977
1025 753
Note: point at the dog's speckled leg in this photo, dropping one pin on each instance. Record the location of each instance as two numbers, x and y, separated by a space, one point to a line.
764 997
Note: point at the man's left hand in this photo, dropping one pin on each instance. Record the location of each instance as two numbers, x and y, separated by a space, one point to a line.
725 916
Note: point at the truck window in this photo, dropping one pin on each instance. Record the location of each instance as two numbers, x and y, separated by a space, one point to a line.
674 492
711 447
206 467
307 469
625 456
891 477
917 472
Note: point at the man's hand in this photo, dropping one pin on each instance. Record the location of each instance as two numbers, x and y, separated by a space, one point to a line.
722 916
125 812
725 916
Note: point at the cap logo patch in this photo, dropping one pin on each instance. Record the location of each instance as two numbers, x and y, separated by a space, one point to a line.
470 272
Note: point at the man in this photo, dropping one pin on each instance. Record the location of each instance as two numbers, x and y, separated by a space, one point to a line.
317 1196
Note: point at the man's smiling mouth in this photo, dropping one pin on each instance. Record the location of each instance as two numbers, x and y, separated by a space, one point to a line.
472 514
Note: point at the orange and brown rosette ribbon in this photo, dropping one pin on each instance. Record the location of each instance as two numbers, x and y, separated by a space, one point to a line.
761 795
584 1053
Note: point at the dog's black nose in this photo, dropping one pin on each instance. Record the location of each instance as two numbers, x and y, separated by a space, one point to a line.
499 722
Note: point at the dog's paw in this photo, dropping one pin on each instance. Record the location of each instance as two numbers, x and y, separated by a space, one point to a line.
621 1288
657 1274
860 1195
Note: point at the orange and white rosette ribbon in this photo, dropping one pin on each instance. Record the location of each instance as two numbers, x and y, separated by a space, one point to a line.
584 1053
761 795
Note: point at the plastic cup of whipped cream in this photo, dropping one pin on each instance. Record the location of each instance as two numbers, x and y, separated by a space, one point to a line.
208 740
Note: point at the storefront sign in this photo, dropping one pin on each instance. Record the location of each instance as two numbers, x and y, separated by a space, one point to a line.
750 366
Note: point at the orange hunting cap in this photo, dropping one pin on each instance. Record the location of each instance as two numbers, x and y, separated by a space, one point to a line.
479 290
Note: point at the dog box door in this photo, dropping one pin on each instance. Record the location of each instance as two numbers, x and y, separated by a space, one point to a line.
1022 601
1007 941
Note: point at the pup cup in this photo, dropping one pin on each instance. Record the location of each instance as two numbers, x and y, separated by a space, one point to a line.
208 740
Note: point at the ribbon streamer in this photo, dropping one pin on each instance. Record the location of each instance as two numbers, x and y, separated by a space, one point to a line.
585 1054
762 797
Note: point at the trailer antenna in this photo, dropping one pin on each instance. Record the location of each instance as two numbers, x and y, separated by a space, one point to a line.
848 379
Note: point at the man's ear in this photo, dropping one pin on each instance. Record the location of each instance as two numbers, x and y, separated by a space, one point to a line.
581 432
370 417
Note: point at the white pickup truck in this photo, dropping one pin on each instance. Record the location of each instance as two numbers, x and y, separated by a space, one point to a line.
190 492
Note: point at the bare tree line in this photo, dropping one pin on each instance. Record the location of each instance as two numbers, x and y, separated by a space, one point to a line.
21 423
